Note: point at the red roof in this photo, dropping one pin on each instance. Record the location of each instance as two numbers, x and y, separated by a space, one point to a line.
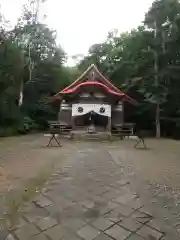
108 86
72 90
89 68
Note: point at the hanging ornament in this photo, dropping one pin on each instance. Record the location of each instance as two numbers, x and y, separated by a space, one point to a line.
102 110
80 109
90 116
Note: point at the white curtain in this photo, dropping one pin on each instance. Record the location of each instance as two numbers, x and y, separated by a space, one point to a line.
102 109
81 109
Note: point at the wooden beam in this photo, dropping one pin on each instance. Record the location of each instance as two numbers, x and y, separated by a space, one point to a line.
109 125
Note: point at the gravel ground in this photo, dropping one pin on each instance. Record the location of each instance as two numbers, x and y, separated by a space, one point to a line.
21 158
155 175
155 172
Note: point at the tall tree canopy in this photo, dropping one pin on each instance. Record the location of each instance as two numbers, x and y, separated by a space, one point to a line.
31 68
144 63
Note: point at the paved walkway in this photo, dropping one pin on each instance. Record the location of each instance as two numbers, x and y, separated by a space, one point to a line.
88 198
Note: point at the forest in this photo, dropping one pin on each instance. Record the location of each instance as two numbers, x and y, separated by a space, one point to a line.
145 63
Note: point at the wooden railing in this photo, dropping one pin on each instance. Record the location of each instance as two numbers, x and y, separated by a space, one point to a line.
126 129
58 128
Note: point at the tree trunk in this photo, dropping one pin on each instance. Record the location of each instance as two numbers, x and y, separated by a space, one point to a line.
156 70
158 125
21 93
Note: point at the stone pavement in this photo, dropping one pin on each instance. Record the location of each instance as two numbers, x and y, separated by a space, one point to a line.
88 198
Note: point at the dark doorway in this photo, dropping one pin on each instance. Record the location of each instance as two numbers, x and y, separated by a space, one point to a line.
99 120
92 118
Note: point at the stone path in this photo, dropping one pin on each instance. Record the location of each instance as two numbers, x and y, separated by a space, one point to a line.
88 198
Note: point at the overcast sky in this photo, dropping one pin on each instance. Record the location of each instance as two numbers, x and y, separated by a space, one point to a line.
81 23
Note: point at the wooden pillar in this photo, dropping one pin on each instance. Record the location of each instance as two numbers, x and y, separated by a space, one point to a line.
59 113
73 122
122 112
109 125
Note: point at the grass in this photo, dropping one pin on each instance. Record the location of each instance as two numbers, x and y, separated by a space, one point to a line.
15 200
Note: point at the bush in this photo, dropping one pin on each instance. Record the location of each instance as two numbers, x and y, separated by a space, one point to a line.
8 131
26 125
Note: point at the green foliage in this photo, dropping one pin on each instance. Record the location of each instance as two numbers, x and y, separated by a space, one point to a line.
145 63
31 62
26 125
8 131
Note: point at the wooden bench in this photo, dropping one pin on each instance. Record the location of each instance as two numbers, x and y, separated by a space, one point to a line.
140 139
65 129
54 130
123 130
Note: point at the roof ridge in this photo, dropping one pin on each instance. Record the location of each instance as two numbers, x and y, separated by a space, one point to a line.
107 81
79 78
84 73
90 83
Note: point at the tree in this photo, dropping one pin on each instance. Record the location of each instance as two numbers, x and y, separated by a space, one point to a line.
30 62
160 19
145 63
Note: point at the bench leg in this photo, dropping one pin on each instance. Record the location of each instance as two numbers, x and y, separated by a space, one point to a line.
50 141
137 143
144 143
57 142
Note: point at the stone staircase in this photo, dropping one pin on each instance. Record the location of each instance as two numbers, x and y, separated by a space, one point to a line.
98 136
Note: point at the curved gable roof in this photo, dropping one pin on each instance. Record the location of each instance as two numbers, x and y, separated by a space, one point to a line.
76 88
105 83
92 68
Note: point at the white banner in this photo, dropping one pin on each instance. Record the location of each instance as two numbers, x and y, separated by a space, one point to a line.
102 109
81 109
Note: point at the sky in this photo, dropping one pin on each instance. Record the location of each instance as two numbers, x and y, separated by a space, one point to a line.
81 23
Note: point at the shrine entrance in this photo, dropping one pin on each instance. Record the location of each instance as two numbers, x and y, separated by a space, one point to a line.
92 100
92 118
99 120
98 116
